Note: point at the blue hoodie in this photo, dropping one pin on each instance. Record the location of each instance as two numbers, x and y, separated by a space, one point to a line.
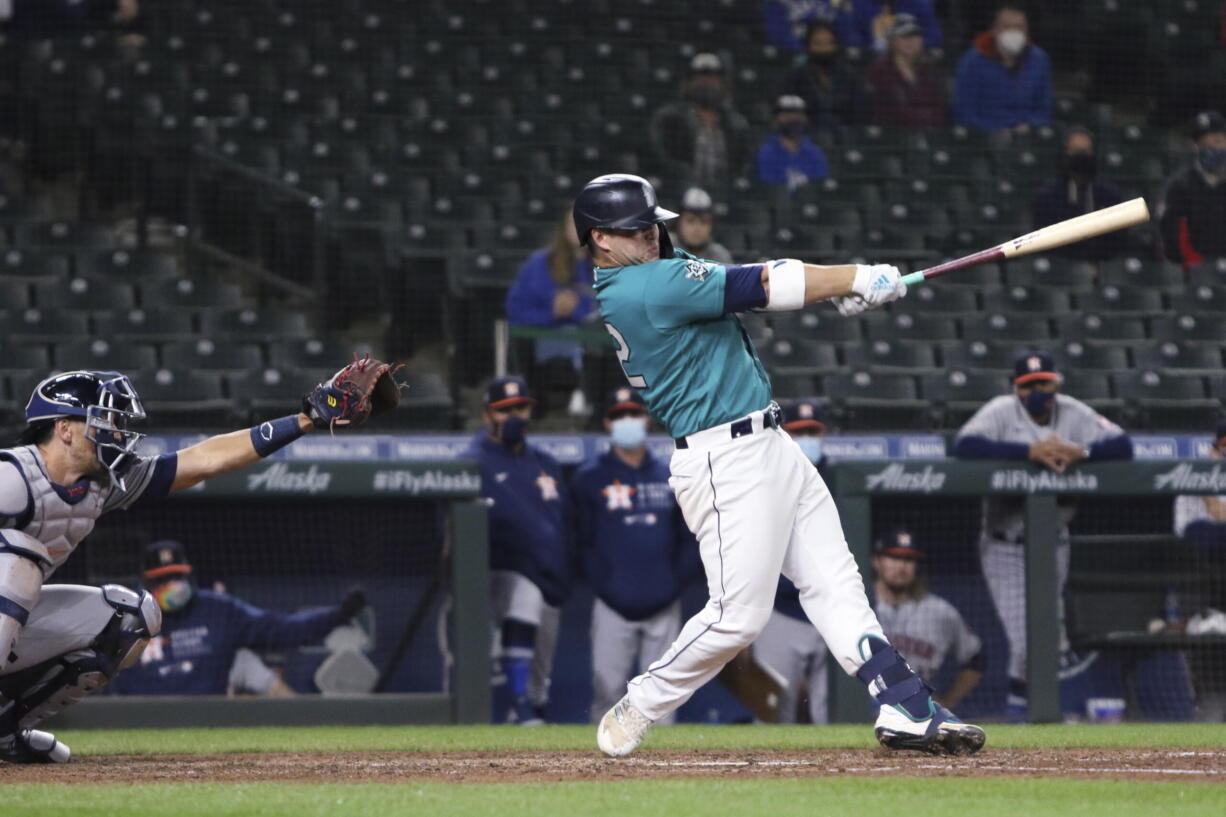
196 649
989 96
529 515
635 548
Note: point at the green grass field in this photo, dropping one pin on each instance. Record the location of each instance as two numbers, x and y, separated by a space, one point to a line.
864 797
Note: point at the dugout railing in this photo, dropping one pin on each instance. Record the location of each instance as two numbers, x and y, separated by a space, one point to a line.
866 490
279 489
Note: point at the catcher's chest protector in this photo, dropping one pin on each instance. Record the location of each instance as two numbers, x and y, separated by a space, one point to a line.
54 522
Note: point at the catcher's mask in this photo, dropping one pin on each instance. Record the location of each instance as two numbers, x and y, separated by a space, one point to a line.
106 401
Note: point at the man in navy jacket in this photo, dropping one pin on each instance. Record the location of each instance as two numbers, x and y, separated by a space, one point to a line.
202 631
636 551
530 549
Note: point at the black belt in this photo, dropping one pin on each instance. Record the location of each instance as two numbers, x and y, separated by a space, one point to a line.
771 418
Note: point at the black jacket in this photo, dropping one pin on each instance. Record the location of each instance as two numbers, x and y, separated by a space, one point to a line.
1192 216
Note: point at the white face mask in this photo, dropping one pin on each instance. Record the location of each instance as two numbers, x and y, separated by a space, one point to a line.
812 448
629 432
1011 41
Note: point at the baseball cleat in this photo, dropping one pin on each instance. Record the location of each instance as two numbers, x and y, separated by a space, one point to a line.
33 746
524 713
621 729
939 734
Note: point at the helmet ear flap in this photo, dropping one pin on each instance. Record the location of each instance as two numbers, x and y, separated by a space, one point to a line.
666 242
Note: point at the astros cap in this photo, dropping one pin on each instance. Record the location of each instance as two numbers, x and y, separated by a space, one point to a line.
897 543
1036 364
508 391
804 414
625 400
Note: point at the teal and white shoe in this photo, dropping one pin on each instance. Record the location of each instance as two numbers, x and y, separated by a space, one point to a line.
941 733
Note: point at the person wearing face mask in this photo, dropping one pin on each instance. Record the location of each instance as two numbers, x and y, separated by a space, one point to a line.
530 548
905 86
203 631
1036 422
635 550
788 157
695 225
1193 208
1077 190
831 89
700 139
1003 82
789 647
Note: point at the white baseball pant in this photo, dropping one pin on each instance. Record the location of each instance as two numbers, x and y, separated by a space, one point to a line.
619 645
758 507
794 651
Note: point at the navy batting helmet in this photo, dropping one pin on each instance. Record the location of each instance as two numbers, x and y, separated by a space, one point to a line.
106 401
621 201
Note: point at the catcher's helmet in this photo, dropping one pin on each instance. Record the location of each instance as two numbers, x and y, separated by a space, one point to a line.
106 401
622 202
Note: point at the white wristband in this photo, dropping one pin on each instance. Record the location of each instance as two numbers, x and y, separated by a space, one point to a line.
787 285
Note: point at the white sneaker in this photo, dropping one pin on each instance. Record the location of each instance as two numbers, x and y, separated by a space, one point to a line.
33 746
621 729
939 734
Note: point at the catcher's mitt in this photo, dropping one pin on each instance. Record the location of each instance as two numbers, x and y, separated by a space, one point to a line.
365 388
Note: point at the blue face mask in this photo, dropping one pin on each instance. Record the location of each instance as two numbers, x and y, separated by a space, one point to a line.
629 432
513 430
1213 160
1038 403
812 448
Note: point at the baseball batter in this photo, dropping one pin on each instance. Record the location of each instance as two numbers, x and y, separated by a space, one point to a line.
1037 423
75 461
747 491
925 628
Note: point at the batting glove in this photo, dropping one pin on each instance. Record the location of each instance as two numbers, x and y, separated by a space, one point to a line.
873 286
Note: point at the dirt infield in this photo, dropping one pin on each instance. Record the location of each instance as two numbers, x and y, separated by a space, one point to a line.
1208 766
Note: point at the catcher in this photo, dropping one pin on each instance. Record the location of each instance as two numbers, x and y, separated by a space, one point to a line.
75 460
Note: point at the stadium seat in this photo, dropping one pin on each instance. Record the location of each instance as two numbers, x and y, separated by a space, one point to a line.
1131 271
957 394
183 399
1202 298
820 323
47 325
1075 354
798 355
23 357
1052 272
995 355
1000 326
1165 401
254 324
877 401
1189 327
899 356
1122 300
927 298
1094 389
1187 358
791 386
14 293
207 354
126 265
82 293
64 235
191 293
145 324
909 327
263 391
104 355
424 402
31 263
1033 300
1100 328
314 353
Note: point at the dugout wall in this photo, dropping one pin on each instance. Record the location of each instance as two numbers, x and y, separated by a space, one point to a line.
288 535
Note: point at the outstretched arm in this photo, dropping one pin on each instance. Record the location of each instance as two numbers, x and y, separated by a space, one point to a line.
792 284
228 452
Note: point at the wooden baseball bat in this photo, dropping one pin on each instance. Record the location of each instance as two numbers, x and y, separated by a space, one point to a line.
1109 219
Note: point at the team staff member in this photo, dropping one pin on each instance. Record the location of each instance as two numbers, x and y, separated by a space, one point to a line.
1035 422
924 627
1201 520
789 645
203 631
530 549
756 504
635 551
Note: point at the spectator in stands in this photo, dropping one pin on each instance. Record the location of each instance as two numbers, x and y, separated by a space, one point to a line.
831 88
553 289
700 139
531 556
921 625
635 550
694 229
1193 209
905 87
1003 82
44 18
788 157
1036 423
786 21
203 631
1201 520
1077 190
789 646
871 21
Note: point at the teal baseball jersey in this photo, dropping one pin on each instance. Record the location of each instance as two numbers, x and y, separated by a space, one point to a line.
694 365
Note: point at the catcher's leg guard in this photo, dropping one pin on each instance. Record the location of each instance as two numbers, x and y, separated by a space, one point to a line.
21 579
77 639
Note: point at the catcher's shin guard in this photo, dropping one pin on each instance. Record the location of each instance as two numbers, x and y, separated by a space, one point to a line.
57 662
